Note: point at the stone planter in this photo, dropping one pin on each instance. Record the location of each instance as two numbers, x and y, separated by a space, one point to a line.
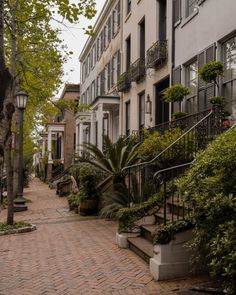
122 239
88 207
172 260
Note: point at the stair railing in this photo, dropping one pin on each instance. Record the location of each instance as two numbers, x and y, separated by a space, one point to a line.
174 207
180 152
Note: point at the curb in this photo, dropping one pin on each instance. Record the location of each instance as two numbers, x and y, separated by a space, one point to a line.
18 230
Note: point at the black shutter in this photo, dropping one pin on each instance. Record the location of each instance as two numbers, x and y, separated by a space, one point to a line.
177 75
201 62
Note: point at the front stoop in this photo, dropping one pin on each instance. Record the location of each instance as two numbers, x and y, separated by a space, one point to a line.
172 260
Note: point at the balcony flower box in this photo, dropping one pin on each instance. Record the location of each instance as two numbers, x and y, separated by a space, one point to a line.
124 82
157 54
137 70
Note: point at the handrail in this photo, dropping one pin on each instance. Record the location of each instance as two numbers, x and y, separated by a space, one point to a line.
63 173
173 168
170 146
176 120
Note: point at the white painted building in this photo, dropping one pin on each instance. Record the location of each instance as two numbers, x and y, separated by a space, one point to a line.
146 48
100 70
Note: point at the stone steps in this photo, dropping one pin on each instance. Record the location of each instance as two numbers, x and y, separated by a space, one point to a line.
142 247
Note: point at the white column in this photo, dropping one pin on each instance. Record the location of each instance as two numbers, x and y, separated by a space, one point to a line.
50 147
93 128
62 147
100 126
77 138
43 147
81 138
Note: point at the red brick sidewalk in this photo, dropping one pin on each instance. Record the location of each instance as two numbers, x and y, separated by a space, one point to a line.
68 254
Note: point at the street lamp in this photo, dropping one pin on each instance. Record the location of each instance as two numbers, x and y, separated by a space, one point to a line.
19 202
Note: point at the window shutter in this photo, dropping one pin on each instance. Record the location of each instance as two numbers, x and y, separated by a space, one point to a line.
118 14
201 62
177 75
210 53
177 10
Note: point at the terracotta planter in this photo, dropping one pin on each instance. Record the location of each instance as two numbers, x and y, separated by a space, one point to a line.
88 207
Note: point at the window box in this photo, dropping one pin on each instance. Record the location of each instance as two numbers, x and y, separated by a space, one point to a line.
124 82
157 54
137 70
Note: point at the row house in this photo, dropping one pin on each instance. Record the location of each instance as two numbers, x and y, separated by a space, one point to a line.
100 71
58 139
142 47
125 68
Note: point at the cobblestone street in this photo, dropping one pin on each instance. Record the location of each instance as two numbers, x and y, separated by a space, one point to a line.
69 254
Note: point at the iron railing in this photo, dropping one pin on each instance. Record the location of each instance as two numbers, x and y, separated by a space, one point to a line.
124 82
157 54
140 177
57 171
174 207
137 70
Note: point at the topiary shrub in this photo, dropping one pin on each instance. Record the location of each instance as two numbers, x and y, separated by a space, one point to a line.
210 187
176 93
210 72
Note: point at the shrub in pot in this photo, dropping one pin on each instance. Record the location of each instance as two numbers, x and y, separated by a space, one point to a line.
73 201
88 193
176 93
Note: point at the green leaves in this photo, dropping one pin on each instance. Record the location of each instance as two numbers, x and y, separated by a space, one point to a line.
209 187
210 71
176 93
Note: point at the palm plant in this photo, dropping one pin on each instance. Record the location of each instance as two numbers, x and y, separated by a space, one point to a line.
114 157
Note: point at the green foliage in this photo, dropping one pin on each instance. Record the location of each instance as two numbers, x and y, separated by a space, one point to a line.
210 71
210 187
73 201
89 178
56 162
223 253
163 234
114 201
116 156
16 225
217 100
178 115
128 216
176 93
154 143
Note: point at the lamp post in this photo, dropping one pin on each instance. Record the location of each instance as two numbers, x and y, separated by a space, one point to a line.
19 202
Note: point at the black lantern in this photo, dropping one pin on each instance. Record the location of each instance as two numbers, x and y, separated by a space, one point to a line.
148 106
21 100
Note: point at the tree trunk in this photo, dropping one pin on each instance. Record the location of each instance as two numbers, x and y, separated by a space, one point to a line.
6 112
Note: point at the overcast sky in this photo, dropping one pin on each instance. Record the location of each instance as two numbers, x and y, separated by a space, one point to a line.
75 39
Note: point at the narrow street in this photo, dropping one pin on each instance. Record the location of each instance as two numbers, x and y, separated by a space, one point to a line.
69 254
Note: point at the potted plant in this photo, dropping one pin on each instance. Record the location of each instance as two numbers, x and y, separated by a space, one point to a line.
176 93
88 193
73 201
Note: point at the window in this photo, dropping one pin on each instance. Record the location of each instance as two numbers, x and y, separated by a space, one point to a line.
109 30
128 6
93 91
98 48
98 86
190 7
118 14
127 118
102 82
142 40
192 84
205 90
229 78
128 53
141 111
118 69
162 20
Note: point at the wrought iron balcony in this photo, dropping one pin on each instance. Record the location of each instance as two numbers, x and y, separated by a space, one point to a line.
137 70
124 82
157 54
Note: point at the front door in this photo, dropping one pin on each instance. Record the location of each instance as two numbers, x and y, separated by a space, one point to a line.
162 107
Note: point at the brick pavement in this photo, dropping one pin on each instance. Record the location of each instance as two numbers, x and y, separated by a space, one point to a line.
68 254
